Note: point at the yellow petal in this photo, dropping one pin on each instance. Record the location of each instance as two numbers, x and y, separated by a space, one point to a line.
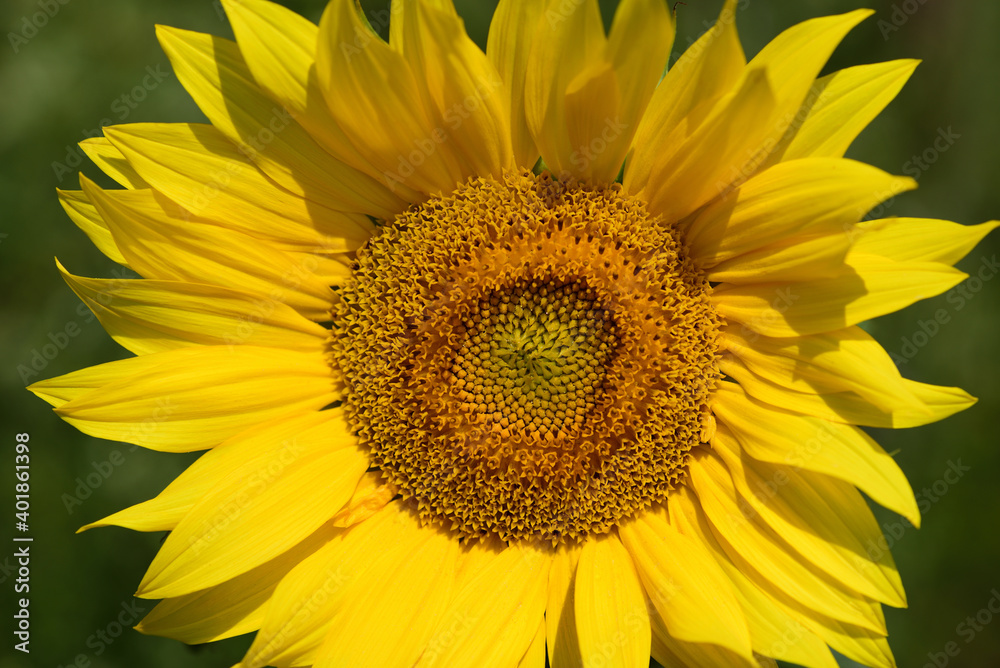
586 93
745 125
670 651
933 402
760 553
493 619
535 656
774 631
705 71
85 216
197 167
842 104
682 180
639 43
461 87
919 239
848 359
512 32
687 588
612 618
389 612
402 21
238 456
248 520
194 398
213 72
794 59
160 243
813 196
147 316
807 258
232 608
801 626
797 514
61 389
279 48
869 286
389 124
307 598
370 496
112 162
774 435
866 647
568 48
560 617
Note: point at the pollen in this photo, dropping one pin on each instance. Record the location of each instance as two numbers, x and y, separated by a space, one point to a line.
527 358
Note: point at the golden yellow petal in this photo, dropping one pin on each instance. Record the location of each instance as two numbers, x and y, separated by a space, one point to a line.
919 239
535 656
821 538
161 242
279 48
248 520
84 214
464 91
685 585
763 555
815 196
112 162
149 316
774 631
389 123
846 452
61 389
934 402
233 607
370 496
512 32
705 71
493 618
569 44
194 398
840 105
797 258
610 606
389 613
639 43
215 74
197 167
868 287
238 456
585 93
561 635
682 180
773 86
845 360
298 616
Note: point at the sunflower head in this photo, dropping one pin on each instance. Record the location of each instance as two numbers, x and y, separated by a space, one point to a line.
547 352
527 357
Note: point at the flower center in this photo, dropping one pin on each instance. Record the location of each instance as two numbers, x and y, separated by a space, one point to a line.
527 358
533 357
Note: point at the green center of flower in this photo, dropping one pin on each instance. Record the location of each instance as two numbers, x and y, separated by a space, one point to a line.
534 357
527 358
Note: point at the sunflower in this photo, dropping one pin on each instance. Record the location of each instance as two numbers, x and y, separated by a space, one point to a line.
537 352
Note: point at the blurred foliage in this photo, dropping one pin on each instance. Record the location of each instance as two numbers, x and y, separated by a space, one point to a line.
68 77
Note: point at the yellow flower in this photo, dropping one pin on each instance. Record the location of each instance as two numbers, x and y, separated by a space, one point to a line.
472 392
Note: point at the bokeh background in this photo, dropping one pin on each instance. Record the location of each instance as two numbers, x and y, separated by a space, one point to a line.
88 64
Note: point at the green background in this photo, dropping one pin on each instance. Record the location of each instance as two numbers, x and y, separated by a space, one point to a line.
69 77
